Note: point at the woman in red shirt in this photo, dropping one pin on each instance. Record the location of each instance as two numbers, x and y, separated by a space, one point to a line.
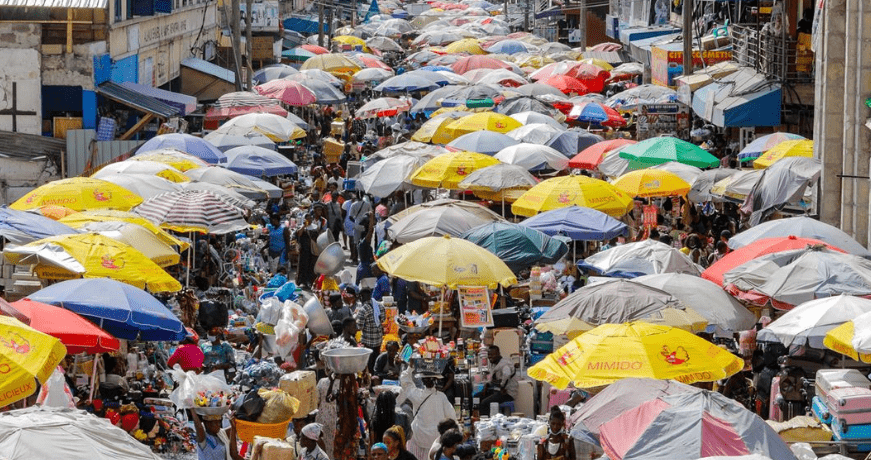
188 355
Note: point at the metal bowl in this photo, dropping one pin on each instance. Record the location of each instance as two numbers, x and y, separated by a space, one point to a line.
318 321
346 360
324 240
331 260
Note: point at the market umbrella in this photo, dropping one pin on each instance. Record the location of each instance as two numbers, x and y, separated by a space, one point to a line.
325 93
271 190
152 168
529 117
91 256
538 89
486 142
76 333
795 148
789 278
52 211
297 54
172 157
802 227
617 301
737 186
137 236
333 63
646 257
466 45
533 157
295 119
591 156
80 219
522 104
639 95
501 77
595 113
690 426
20 227
518 246
287 91
383 107
537 133
500 177
480 211
79 193
193 211
406 83
560 192
648 183
612 352
658 150
449 169
410 148
351 40
686 172
226 194
383 44
276 128
186 143
257 161
314 48
765 143
720 309
489 121
432 126
468 63
701 189
26 354
387 176
272 72
226 141
231 179
435 221
240 103
852 338
510 47
572 141
446 261
39 432
439 78
758 248
784 182
808 323
566 84
578 223
317 76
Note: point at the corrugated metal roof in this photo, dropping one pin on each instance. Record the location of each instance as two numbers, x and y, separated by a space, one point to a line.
208 68
184 103
136 100
30 146
83 4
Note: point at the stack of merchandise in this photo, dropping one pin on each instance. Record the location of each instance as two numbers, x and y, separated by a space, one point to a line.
843 400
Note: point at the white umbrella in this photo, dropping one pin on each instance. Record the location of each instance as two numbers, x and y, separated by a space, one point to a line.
437 221
152 168
227 194
372 75
801 226
808 323
387 176
143 185
535 133
646 257
273 126
533 157
686 172
530 117
231 179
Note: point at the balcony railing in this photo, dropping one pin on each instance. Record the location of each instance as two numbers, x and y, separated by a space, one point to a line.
773 55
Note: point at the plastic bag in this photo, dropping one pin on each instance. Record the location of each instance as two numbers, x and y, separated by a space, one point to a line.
279 407
287 330
55 392
213 314
270 310
188 384
249 406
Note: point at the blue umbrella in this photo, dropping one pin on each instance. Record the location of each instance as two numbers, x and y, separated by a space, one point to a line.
509 47
124 311
570 142
406 83
22 227
186 143
516 245
578 223
436 68
257 161
486 142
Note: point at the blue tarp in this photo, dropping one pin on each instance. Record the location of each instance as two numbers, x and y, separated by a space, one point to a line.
742 99
304 26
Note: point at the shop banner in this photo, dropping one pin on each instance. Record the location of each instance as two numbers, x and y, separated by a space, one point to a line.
475 306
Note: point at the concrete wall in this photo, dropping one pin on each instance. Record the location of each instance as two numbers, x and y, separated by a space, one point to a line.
18 177
19 46
76 69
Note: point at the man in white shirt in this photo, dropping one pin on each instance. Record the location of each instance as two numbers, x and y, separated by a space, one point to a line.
430 407
502 386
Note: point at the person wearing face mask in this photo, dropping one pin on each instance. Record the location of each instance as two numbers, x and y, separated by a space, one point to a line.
431 406
218 355
558 445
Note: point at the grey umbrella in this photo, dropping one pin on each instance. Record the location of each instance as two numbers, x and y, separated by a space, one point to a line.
783 182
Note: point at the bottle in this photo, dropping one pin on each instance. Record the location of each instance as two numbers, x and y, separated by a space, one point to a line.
458 407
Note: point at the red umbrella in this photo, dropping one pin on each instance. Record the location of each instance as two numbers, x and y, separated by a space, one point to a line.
287 91
77 333
372 62
315 49
468 63
591 156
566 84
758 248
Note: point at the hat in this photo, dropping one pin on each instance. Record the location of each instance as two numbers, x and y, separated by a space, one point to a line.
192 335
312 431
351 289
379 445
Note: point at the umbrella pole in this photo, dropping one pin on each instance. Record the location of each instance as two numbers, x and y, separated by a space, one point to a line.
187 280
441 308
94 372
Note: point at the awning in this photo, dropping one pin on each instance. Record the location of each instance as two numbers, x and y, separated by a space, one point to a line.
640 49
745 98
136 100
550 12
75 4
631 34
208 68
184 103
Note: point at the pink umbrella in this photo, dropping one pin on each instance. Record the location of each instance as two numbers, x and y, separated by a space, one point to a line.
315 49
468 63
287 91
383 107
372 62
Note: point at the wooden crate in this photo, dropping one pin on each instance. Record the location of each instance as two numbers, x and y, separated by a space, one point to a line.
64 124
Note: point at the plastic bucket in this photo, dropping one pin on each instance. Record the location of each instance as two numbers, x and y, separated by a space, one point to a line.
247 430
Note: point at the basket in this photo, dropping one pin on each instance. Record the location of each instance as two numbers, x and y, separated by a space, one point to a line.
413 329
435 365
220 410
247 430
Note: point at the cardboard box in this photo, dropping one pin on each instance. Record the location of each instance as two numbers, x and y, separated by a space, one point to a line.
302 385
333 150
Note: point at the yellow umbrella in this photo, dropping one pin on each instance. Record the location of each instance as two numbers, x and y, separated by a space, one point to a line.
561 192
79 193
177 159
334 63
428 129
466 45
25 354
508 195
139 237
352 41
489 121
598 63
612 352
104 215
796 148
648 183
446 261
845 340
535 62
449 169
91 255
54 212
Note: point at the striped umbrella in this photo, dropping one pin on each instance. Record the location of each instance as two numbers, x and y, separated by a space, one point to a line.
242 102
193 211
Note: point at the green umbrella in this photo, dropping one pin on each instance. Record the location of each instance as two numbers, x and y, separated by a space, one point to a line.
660 150
517 246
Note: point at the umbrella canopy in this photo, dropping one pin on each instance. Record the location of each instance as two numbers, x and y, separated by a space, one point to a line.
536 133
615 302
410 148
807 324
20 227
276 128
271 190
521 104
124 311
186 143
852 338
480 211
333 63
566 84
803 227
510 47
646 257
449 169
658 150
437 221
529 117
52 211
257 161
644 94
502 77
486 142
466 45
25 354
533 157
383 107
689 426
647 183
497 178
765 143
560 192
706 298
172 157
351 40
79 219
737 186
297 54
595 113
387 176
591 156
701 189
518 246
538 89
570 142
371 76
79 193
91 256
137 236
230 179
193 211
37 432
383 44
612 352
446 261
686 172
226 194
578 223
240 103
489 121
317 76
227 141
325 93
406 83
434 125
468 63
794 148
287 91
273 72
153 168
784 182
76 333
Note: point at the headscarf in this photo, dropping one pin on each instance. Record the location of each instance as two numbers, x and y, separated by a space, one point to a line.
379 445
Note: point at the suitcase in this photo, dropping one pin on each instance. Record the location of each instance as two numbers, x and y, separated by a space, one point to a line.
827 380
853 405
818 406
846 432
843 437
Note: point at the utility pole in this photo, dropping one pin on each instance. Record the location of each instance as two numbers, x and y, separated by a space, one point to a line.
228 18
526 15
505 8
582 25
237 42
353 13
249 4
687 37
320 22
